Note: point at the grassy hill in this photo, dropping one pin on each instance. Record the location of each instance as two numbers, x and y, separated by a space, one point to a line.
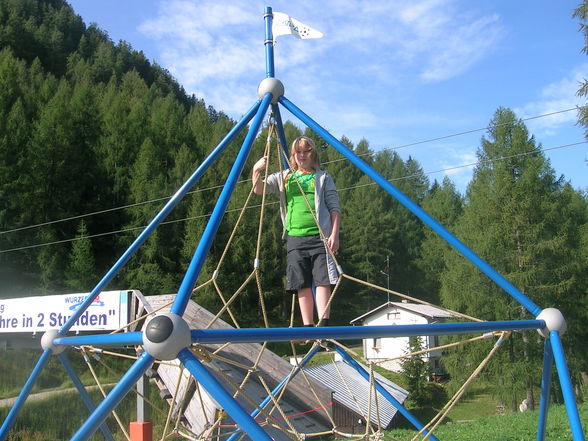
58 417
506 427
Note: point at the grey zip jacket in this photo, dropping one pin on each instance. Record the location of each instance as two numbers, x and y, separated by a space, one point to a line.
326 199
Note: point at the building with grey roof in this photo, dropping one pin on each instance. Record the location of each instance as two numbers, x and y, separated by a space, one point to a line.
387 351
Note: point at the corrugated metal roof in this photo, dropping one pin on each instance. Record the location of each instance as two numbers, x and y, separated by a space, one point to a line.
343 379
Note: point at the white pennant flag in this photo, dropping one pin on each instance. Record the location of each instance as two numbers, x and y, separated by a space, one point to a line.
283 24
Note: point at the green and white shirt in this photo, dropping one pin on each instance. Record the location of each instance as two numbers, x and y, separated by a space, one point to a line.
300 221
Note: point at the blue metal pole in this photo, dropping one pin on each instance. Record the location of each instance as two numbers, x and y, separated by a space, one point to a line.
193 271
226 401
24 393
279 387
127 381
281 135
176 198
545 390
566 387
83 392
255 335
410 417
128 338
269 43
414 208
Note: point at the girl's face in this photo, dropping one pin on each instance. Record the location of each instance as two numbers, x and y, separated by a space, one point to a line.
304 157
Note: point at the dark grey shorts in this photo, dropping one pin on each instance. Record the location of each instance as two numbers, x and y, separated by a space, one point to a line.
307 262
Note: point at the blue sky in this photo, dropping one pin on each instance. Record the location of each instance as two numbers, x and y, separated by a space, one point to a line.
396 73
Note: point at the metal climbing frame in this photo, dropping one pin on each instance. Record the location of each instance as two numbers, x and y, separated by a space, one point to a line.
170 337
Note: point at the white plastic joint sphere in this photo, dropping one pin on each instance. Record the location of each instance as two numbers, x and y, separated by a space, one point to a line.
47 342
273 86
554 321
165 335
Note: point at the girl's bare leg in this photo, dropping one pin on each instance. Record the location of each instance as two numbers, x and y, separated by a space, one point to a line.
306 303
322 299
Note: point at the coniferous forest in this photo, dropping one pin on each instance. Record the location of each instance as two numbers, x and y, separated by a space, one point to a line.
94 138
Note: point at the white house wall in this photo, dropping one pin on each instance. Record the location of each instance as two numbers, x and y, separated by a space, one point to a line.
385 348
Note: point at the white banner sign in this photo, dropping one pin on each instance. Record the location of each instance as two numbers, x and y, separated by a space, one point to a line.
108 311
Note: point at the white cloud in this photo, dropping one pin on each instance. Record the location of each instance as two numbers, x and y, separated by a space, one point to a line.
458 164
440 39
457 51
205 41
372 52
197 49
382 70
446 40
555 97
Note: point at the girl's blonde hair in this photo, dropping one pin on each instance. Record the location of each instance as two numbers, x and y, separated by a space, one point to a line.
304 142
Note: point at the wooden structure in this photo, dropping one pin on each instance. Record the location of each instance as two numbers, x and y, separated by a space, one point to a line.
231 364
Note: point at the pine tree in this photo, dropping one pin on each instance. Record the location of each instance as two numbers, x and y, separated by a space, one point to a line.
14 135
512 219
366 243
415 370
405 229
36 28
581 13
124 109
50 260
149 270
81 269
445 205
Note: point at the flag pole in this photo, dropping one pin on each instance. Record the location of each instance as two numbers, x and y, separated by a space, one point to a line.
269 43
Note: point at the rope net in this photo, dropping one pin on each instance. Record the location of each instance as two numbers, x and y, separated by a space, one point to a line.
290 403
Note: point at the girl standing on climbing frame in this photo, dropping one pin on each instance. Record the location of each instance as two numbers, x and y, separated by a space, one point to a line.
307 258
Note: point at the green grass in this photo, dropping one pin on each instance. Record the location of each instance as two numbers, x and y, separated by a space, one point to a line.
474 417
478 402
507 427
60 416
16 366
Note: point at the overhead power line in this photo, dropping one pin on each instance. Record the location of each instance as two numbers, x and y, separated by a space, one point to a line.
453 135
472 164
109 210
481 129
